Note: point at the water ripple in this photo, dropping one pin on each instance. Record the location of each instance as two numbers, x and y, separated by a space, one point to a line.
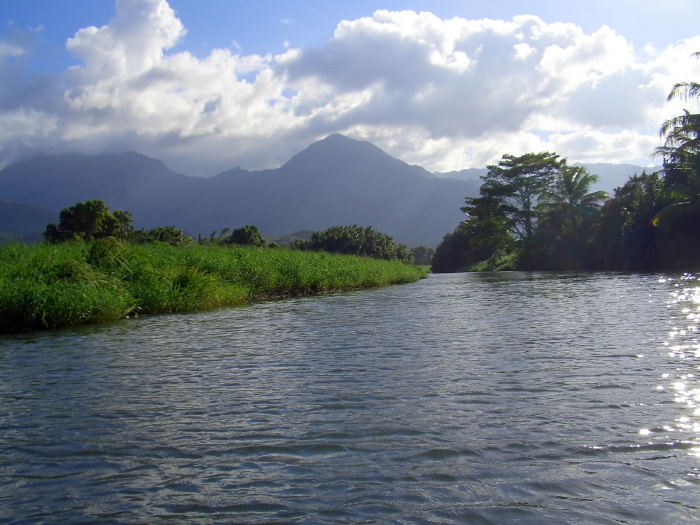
480 398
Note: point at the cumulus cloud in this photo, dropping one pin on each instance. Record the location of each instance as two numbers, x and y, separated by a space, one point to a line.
445 94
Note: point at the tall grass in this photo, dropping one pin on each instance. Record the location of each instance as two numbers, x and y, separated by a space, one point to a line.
50 286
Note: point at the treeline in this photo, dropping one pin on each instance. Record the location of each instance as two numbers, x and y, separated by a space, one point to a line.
96 267
536 212
355 240
92 220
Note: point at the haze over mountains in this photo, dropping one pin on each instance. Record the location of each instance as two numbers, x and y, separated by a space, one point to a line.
334 182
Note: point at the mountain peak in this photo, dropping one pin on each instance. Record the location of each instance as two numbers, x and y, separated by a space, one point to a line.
335 181
334 149
336 153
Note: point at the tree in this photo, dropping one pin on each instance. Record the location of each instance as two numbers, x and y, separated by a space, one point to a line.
87 221
422 255
512 189
623 236
682 133
455 252
679 218
488 226
681 137
124 224
566 212
168 234
356 240
569 202
685 201
246 236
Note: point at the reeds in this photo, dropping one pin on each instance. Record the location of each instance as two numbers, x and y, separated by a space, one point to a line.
50 286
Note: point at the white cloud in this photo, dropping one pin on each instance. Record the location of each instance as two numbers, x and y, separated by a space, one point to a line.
445 94
9 50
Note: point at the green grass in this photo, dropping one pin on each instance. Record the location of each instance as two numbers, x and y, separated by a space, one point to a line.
49 286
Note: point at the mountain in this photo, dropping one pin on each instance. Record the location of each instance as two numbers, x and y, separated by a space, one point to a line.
615 175
473 174
23 222
334 182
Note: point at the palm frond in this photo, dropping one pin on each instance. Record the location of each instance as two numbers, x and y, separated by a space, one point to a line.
669 213
685 91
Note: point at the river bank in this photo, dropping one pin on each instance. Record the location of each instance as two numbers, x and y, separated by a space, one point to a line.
50 286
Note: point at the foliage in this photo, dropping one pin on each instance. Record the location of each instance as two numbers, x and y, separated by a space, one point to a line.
88 221
49 286
681 133
168 234
566 213
573 231
246 236
541 213
505 217
454 252
513 188
484 237
623 237
422 255
679 237
356 240
91 220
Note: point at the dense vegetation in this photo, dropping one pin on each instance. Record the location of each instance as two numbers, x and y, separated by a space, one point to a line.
92 220
537 212
54 285
356 240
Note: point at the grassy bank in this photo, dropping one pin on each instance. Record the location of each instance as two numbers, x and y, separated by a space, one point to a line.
50 286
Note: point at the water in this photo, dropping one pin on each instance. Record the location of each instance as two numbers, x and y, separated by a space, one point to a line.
466 398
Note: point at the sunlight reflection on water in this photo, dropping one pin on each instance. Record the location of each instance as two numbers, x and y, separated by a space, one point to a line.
683 347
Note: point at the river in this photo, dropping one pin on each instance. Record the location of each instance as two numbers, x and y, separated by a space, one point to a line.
463 398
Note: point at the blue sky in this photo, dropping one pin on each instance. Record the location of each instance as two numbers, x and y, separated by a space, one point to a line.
263 26
212 84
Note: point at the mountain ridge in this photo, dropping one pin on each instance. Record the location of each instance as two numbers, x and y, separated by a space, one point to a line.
333 182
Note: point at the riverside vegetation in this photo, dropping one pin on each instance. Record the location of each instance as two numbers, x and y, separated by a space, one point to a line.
535 212
57 285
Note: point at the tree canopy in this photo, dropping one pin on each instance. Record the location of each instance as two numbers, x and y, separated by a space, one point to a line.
356 240
92 220
88 221
537 212
246 236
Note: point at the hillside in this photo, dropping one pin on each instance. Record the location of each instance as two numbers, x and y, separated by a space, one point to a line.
23 222
336 181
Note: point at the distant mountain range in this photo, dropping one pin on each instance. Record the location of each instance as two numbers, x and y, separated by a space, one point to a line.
334 182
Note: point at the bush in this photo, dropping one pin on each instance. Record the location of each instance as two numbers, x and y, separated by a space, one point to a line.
246 236
356 240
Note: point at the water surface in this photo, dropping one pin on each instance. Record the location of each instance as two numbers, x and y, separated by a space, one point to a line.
464 398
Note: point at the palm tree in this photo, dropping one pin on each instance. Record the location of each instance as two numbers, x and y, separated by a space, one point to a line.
682 132
569 202
685 201
681 154
686 90
223 234
566 211
682 137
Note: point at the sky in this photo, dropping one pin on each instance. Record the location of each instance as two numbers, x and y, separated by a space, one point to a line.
210 85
